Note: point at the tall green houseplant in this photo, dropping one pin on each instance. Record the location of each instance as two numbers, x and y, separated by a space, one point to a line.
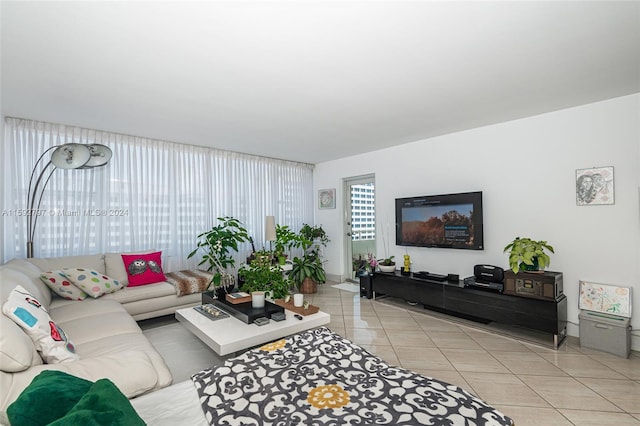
218 243
286 239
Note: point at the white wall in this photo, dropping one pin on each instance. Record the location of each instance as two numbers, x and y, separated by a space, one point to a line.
526 170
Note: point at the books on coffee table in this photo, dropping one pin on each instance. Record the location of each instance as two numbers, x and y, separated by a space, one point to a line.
238 297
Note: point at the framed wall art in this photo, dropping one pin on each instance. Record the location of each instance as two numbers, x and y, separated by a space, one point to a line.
327 198
594 186
606 298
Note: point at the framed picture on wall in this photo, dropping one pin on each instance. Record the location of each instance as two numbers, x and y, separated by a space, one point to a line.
327 198
594 186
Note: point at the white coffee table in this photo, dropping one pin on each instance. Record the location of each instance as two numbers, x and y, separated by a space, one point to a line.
229 335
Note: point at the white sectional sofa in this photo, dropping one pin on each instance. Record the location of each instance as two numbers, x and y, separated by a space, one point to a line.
143 302
104 331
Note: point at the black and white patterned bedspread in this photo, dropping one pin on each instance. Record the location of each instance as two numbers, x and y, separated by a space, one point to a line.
319 378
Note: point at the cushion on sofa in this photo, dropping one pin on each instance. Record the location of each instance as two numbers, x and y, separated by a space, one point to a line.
62 311
17 351
100 326
114 265
38 405
75 401
11 275
102 405
135 356
147 292
91 281
58 282
131 370
26 311
92 261
143 268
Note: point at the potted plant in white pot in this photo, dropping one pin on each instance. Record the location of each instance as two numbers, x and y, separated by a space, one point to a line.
387 264
528 255
263 276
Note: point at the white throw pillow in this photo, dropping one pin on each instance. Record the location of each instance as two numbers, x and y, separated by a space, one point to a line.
49 339
92 282
17 352
62 286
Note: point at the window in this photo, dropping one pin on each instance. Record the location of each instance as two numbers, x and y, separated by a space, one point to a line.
152 194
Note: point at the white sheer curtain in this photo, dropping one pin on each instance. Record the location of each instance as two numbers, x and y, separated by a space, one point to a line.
152 194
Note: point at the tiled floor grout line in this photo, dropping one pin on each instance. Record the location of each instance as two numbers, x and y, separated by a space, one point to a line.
379 310
602 396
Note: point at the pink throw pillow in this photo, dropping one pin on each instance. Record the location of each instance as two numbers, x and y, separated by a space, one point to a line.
143 268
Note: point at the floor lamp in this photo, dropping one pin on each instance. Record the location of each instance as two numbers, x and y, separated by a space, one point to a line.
67 156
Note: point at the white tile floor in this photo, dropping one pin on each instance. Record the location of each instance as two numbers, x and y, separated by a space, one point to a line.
531 384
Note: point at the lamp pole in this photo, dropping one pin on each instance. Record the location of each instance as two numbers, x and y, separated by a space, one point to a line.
66 156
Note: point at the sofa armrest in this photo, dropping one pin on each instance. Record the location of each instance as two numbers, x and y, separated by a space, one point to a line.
131 371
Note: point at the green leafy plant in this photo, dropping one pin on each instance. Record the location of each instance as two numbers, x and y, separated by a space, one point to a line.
358 265
285 240
526 254
387 261
312 233
307 266
218 244
262 276
264 257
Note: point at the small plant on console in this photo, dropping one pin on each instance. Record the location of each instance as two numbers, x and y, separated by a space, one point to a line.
526 254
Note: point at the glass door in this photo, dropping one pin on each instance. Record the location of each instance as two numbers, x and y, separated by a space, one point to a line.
360 222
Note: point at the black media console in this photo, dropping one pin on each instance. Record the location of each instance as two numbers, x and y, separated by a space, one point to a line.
452 298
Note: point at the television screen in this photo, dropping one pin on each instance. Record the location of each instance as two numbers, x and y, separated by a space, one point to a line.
447 221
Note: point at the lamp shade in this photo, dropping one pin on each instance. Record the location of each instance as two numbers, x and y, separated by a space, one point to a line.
270 228
70 156
100 155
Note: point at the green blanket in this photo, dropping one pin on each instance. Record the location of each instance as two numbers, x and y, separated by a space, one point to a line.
57 398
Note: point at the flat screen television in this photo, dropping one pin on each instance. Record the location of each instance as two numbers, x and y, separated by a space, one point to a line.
446 221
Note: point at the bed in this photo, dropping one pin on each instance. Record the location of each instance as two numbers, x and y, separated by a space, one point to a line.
313 377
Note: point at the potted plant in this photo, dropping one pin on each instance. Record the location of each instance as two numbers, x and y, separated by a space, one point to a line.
358 266
285 240
313 237
263 256
218 243
262 276
372 263
528 255
387 264
307 272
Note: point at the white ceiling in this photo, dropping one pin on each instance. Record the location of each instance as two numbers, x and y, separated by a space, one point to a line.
311 81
